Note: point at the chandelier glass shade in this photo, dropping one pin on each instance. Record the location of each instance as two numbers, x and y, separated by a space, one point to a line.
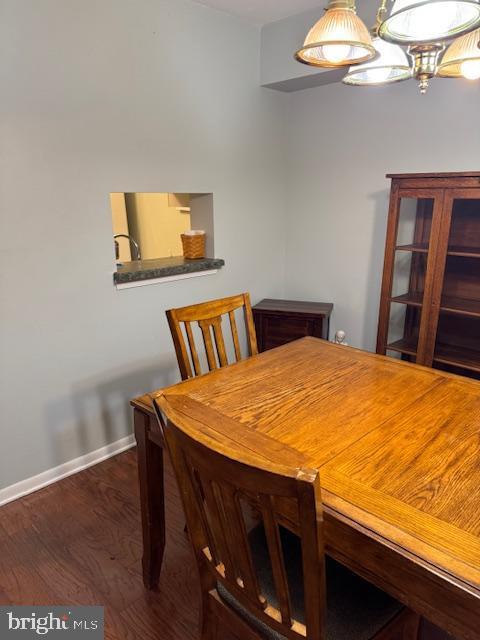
338 39
391 65
413 22
462 58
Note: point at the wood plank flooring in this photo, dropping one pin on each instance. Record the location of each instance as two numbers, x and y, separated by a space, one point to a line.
79 542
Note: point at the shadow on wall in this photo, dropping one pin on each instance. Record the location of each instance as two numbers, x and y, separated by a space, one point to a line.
98 411
376 252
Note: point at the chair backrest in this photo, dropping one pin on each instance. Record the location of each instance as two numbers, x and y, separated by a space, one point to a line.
209 317
217 492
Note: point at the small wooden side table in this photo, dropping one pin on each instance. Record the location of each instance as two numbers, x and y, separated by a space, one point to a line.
280 321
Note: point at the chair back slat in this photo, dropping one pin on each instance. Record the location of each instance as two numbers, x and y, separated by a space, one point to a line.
180 347
217 524
220 342
214 484
208 316
251 333
278 565
207 341
239 542
236 343
211 541
193 349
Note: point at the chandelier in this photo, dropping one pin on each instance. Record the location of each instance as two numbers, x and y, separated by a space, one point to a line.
417 39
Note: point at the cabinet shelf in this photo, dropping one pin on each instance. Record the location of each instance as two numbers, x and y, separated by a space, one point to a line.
464 252
421 247
449 304
405 345
460 306
444 354
457 356
417 247
412 299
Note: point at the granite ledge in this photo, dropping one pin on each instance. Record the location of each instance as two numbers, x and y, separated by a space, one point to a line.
163 267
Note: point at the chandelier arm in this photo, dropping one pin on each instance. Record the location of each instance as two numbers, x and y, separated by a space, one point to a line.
381 15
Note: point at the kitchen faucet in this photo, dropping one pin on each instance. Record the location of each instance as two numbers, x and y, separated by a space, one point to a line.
131 240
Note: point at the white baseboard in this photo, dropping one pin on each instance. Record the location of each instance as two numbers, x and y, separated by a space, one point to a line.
24 487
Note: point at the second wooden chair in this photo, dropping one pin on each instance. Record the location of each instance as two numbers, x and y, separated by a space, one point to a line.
208 315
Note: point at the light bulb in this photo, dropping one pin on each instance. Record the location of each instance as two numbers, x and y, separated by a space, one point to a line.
471 69
336 53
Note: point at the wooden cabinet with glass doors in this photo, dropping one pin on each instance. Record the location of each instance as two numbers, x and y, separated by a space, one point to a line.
430 299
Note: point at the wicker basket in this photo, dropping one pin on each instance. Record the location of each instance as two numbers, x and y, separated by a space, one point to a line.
193 245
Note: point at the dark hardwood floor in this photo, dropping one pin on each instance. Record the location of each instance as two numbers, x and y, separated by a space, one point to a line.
79 542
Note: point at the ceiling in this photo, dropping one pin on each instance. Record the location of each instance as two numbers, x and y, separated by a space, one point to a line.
263 11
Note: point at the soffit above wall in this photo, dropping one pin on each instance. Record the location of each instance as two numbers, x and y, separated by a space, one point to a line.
285 25
263 11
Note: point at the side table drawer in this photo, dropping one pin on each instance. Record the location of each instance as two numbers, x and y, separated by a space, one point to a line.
278 330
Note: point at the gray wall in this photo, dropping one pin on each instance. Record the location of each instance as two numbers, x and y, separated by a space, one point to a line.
105 96
343 140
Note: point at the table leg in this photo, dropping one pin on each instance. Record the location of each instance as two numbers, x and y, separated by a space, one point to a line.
150 475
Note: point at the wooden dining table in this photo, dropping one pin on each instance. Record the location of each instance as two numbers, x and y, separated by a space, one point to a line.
398 450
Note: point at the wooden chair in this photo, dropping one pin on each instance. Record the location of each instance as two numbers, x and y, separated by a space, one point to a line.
209 317
268 582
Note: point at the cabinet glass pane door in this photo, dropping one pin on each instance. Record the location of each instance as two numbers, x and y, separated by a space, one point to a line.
457 346
415 216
